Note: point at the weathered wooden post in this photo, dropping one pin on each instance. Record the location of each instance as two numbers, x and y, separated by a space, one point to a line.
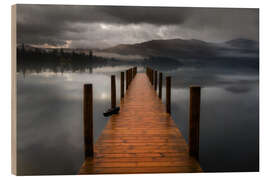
152 76
130 77
194 121
133 72
88 121
155 80
122 84
147 73
126 79
160 86
113 92
168 94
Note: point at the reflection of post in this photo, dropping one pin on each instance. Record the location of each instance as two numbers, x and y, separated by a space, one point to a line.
122 84
160 85
168 94
88 120
113 92
155 80
194 121
126 79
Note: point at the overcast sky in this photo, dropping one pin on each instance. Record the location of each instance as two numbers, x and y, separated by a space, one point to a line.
106 26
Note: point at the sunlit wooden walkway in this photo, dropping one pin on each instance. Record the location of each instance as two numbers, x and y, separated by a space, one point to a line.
142 138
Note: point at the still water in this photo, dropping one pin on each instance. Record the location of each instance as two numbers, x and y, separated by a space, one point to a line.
49 116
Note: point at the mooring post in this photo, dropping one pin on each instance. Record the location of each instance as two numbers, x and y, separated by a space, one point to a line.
133 72
148 72
130 71
126 79
152 76
122 84
113 92
194 121
160 86
155 80
168 94
88 120
130 77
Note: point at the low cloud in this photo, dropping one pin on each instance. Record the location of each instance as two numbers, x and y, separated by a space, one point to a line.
105 26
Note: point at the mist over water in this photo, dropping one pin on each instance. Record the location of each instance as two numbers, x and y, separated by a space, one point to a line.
49 114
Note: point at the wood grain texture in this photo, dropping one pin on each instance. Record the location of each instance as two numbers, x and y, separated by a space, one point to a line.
142 138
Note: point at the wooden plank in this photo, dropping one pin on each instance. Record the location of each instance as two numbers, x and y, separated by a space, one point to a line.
142 138
139 155
140 170
144 159
144 164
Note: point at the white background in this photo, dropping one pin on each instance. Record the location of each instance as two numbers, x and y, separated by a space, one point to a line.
5 81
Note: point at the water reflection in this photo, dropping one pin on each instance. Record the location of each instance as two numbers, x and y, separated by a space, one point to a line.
50 119
50 139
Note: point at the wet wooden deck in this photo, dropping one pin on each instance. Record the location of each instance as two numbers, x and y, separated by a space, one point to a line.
142 138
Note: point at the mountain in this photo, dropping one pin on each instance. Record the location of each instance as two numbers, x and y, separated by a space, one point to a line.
187 49
167 48
243 43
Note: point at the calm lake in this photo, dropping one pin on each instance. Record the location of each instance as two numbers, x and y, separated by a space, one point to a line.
49 115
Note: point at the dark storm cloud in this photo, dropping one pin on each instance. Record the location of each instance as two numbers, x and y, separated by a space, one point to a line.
99 26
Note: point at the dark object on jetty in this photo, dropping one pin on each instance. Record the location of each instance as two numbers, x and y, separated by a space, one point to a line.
111 111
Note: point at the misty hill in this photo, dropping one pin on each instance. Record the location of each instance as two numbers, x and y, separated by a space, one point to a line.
243 43
168 48
180 48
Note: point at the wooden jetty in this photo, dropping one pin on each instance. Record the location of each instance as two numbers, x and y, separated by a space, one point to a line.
142 138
